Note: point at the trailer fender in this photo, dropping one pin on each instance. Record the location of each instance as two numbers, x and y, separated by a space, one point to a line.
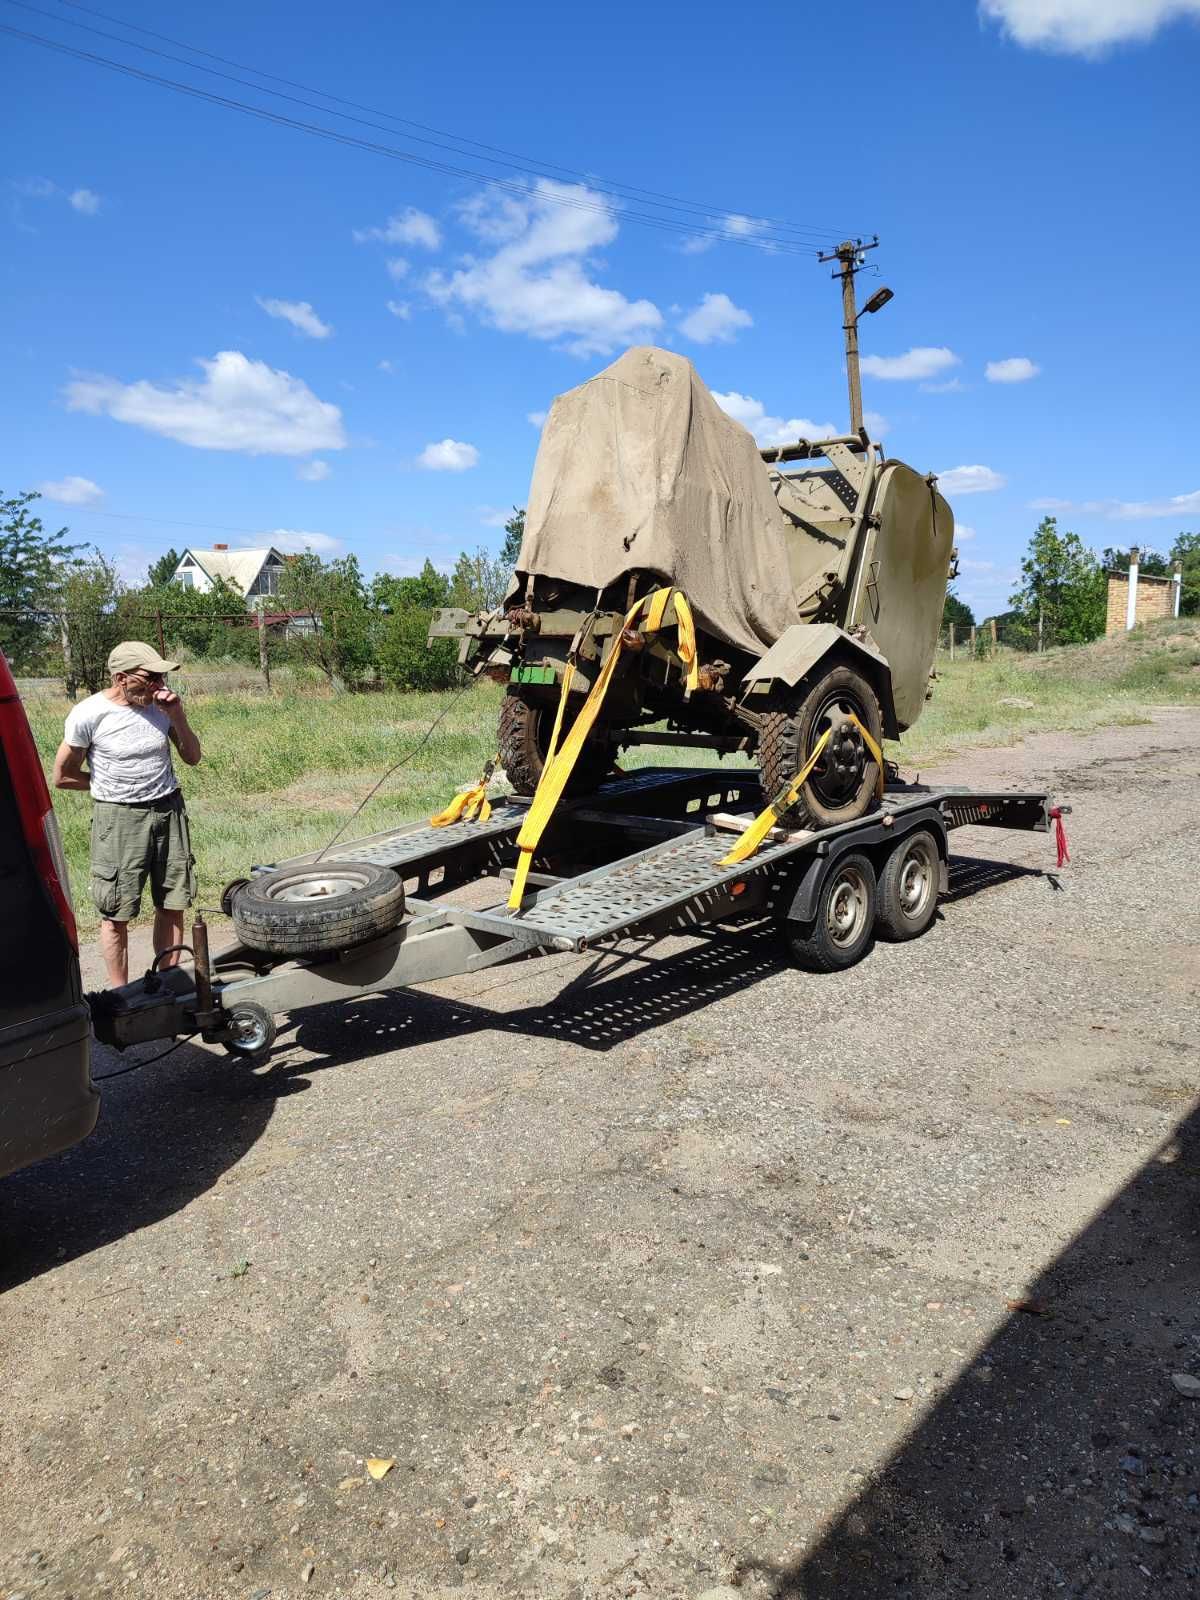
799 902
804 647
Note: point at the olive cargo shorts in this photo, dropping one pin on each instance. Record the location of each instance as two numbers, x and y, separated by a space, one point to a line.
133 843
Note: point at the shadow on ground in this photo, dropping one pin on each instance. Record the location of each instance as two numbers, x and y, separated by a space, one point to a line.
168 1134
1064 1461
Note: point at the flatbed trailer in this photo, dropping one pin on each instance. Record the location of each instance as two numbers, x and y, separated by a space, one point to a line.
643 855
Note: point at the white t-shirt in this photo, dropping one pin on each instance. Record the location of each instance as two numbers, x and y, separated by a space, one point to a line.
128 751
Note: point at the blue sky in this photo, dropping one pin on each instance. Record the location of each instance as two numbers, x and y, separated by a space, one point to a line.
217 320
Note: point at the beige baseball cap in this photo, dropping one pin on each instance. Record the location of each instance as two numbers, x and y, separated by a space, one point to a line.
134 656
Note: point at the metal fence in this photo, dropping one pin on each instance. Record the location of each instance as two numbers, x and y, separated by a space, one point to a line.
985 640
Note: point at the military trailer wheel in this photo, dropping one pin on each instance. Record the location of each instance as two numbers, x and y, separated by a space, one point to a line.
328 905
523 739
842 786
843 928
251 1033
908 886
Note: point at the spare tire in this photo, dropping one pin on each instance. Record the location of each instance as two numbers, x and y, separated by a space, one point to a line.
325 906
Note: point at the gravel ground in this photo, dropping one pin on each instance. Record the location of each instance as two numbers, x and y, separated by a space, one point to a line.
659 1273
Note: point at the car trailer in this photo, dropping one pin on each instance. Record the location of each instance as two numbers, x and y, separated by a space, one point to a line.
642 855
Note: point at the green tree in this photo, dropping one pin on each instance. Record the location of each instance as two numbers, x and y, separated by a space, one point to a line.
331 599
514 532
33 564
1185 554
1064 588
478 583
425 592
957 611
407 660
195 621
90 596
159 573
1150 563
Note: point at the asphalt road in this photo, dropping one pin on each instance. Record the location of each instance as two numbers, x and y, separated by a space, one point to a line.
662 1272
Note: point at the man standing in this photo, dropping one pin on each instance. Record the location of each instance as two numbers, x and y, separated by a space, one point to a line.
139 825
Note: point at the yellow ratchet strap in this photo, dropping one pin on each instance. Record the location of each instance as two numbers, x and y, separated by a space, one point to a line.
560 761
754 835
470 804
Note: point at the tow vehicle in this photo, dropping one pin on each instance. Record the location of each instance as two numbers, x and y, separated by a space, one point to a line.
647 853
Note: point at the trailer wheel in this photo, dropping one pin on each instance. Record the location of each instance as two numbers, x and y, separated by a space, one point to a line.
843 784
251 1032
908 886
523 739
844 926
309 910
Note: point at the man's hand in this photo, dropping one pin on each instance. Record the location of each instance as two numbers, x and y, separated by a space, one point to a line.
184 738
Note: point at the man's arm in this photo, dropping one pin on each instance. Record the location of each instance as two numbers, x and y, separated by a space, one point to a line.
182 734
68 768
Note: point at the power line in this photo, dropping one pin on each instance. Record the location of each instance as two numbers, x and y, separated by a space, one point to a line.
169 522
265 114
457 141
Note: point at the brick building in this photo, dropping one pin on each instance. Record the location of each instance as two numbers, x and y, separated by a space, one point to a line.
1155 598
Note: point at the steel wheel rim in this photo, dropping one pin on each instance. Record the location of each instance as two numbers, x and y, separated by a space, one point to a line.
832 785
915 879
324 887
847 908
250 1033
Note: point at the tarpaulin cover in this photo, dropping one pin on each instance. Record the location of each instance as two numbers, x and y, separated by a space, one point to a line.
640 468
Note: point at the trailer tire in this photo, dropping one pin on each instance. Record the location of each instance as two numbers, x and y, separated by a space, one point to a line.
523 737
318 908
843 928
908 887
831 794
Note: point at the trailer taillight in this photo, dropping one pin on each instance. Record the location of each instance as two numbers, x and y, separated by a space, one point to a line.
33 802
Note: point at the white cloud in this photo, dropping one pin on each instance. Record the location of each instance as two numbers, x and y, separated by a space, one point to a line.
877 424
397 268
402 566
537 418
314 471
922 361
951 386
716 318
977 566
1176 505
72 491
1084 27
742 227
963 532
537 282
1013 369
409 226
400 308
448 455
86 201
239 404
299 313
385 365
493 516
969 480
697 244
752 414
292 541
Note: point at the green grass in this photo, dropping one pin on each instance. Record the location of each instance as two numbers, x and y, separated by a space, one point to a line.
281 773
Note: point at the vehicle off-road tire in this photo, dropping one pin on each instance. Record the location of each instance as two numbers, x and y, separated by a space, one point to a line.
523 738
310 910
843 785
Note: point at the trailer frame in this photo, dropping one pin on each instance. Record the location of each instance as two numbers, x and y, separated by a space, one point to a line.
641 856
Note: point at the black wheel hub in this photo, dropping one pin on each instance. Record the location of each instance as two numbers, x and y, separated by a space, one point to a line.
839 769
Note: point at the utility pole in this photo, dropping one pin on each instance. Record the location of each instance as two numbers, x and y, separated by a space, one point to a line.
849 256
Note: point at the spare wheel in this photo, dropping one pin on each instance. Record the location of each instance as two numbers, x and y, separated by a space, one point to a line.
327 905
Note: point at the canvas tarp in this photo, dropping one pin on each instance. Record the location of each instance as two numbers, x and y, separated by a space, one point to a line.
640 468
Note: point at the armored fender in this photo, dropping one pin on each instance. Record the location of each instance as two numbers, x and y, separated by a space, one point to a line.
804 646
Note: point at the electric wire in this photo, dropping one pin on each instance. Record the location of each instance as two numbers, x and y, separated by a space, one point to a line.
149 1061
332 135
408 756
456 141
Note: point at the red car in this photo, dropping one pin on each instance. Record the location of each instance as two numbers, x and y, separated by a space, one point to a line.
47 1098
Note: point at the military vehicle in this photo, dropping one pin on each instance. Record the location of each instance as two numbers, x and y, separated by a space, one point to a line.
815 572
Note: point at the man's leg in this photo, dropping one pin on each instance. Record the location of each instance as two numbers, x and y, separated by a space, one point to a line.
114 947
168 930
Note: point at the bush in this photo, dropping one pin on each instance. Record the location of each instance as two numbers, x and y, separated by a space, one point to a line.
406 661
